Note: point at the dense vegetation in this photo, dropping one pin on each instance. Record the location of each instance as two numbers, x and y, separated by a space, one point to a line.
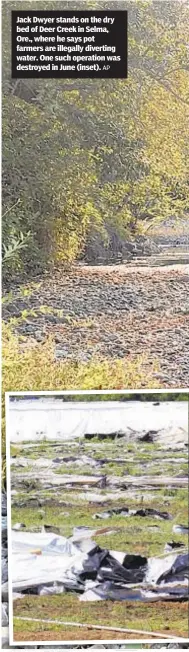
89 160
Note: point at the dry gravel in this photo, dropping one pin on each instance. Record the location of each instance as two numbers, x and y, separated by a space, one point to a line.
115 312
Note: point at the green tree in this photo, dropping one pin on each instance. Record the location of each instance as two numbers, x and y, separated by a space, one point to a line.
86 157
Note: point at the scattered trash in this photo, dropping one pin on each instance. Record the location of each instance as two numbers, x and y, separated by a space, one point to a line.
46 563
19 526
79 564
180 529
50 528
172 545
125 511
149 436
55 589
42 480
82 460
102 436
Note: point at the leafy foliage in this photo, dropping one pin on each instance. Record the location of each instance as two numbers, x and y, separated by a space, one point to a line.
86 157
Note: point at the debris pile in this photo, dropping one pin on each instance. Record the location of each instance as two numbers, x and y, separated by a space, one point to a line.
44 563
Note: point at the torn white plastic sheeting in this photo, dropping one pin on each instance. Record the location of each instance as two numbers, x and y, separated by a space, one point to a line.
145 594
46 542
32 420
45 462
41 559
58 480
45 560
156 567
42 462
54 589
35 570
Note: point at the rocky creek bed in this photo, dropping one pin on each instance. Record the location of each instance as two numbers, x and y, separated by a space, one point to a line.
111 312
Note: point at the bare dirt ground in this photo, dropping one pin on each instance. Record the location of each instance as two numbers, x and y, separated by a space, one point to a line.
169 613
114 312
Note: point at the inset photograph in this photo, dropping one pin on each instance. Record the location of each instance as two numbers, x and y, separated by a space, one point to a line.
97 517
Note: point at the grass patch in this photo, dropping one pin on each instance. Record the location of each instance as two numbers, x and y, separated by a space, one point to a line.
134 533
28 367
170 618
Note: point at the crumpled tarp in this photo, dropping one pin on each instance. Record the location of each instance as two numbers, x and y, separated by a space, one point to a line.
42 561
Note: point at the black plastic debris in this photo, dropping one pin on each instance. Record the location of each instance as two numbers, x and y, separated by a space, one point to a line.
123 592
132 570
179 570
148 437
102 566
93 563
172 545
125 511
50 528
108 590
148 511
102 436
112 512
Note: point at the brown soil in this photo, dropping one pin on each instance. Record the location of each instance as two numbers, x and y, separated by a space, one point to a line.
82 635
169 618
